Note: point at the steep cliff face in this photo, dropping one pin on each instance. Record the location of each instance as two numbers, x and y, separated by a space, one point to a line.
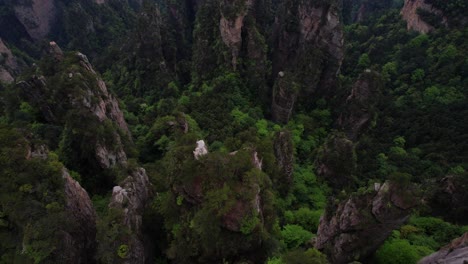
131 196
37 17
225 195
78 246
413 19
360 105
244 49
230 25
9 66
454 253
284 153
85 95
77 241
71 94
360 224
308 43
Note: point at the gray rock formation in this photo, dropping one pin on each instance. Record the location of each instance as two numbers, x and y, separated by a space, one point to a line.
131 197
9 66
414 22
454 253
305 34
360 105
80 245
360 224
284 153
93 96
36 16
231 27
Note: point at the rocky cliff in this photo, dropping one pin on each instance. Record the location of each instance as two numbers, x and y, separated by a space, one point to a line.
131 196
37 16
414 21
78 246
9 66
354 228
83 94
77 241
454 253
244 49
360 105
71 94
305 32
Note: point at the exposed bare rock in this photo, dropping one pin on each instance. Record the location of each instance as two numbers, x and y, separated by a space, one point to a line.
336 162
360 224
285 95
8 64
131 196
93 97
454 253
231 27
414 22
360 105
80 245
108 157
284 153
34 90
55 51
36 16
201 149
305 33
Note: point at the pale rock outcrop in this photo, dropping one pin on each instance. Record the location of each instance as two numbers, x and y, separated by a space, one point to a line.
36 16
201 149
231 28
8 64
414 22
454 253
356 227
131 196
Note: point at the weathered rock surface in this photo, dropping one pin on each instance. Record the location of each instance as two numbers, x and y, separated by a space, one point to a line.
454 253
336 162
305 33
131 197
360 224
413 20
78 246
284 153
36 16
8 64
200 150
94 97
360 105
78 243
231 27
